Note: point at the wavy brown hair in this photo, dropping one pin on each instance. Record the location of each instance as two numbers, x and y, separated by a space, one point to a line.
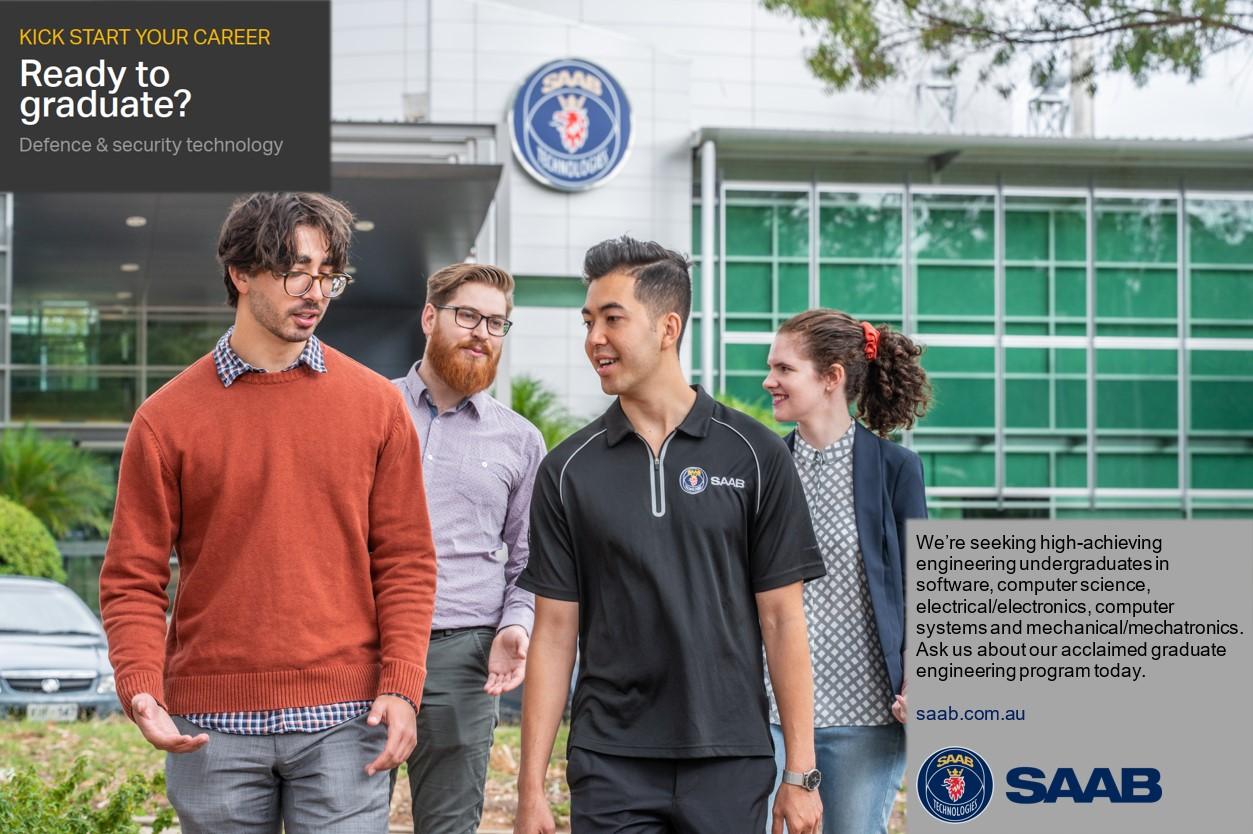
891 392
260 233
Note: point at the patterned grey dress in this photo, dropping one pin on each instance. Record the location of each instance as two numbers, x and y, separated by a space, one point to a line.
851 687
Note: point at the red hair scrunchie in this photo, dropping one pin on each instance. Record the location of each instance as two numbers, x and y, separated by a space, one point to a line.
872 340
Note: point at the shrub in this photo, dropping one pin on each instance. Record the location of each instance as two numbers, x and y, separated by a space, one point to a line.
67 488
26 547
28 806
761 413
538 403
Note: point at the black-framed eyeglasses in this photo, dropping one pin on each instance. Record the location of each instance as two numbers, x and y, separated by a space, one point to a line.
469 318
297 283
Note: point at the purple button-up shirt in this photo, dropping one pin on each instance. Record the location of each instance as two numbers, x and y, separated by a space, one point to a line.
478 465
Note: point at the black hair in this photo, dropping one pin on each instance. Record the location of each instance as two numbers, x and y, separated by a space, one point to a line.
663 281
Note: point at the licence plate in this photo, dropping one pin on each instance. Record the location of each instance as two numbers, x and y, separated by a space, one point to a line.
51 712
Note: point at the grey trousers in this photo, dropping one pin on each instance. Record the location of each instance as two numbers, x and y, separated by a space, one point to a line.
308 783
448 768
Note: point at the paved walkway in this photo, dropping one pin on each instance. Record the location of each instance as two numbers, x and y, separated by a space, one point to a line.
145 828
145 823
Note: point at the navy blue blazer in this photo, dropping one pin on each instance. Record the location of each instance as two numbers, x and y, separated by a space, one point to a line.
887 489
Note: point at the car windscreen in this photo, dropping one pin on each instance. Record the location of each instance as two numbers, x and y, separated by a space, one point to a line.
44 610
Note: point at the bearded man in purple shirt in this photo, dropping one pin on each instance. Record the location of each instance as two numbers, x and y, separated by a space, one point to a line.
479 460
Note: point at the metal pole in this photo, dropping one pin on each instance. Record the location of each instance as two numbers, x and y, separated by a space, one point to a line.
708 207
1090 332
907 278
998 328
1183 376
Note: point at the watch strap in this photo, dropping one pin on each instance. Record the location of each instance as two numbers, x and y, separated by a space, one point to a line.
808 780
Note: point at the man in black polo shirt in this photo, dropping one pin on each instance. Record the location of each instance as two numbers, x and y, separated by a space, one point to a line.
669 538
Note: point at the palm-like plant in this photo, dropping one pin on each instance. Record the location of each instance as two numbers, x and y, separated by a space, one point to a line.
65 487
763 414
538 403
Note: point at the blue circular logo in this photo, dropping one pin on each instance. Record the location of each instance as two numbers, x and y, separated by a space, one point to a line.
693 480
570 124
954 784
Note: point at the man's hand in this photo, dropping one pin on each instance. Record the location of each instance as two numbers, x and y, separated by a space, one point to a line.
506 665
402 731
159 729
556 638
533 816
799 808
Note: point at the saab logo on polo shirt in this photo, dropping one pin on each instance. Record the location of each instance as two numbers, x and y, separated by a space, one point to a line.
693 480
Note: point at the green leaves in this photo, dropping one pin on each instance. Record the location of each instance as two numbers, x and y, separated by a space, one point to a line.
864 43
763 414
852 49
539 404
65 487
74 805
26 547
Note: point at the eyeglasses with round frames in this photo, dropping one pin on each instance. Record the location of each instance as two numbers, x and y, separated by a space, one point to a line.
469 318
297 283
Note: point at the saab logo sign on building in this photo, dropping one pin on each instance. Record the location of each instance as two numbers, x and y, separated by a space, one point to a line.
570 124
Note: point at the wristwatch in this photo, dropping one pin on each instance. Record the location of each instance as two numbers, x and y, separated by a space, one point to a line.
809 780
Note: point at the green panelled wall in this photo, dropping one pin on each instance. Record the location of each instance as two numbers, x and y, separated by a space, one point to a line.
997 286
930 258
79 362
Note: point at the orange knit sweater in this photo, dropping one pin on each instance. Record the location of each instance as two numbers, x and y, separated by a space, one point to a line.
307 571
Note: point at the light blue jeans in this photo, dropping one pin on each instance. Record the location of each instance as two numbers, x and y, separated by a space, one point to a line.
861 770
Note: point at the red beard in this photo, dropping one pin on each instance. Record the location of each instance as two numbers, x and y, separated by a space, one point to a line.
460 372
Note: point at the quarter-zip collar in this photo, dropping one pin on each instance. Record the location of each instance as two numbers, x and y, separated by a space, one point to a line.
695 424
657 476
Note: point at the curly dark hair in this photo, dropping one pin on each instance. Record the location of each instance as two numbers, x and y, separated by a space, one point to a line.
891 391
259 231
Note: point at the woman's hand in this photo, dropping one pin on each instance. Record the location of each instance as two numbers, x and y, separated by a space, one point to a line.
899 710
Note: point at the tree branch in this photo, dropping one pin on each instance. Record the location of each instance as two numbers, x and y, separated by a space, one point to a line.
1029 37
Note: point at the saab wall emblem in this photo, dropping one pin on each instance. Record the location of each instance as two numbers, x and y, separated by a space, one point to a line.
570 124
693 480
954 784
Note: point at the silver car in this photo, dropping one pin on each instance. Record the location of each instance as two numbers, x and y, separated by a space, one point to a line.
54 663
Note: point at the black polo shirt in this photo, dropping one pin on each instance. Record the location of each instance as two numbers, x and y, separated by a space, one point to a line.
664 554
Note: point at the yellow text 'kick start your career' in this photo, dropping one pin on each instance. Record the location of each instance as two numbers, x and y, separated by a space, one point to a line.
150 36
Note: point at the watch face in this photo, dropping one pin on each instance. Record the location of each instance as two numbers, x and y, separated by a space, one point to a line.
812 779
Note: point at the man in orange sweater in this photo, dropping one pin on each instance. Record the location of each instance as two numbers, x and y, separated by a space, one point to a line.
287 478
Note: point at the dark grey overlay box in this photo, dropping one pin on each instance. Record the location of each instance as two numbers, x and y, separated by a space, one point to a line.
165 96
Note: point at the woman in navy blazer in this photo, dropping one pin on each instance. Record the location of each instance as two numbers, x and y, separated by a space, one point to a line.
861 489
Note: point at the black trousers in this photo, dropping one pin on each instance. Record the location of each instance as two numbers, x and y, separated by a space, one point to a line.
627 795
